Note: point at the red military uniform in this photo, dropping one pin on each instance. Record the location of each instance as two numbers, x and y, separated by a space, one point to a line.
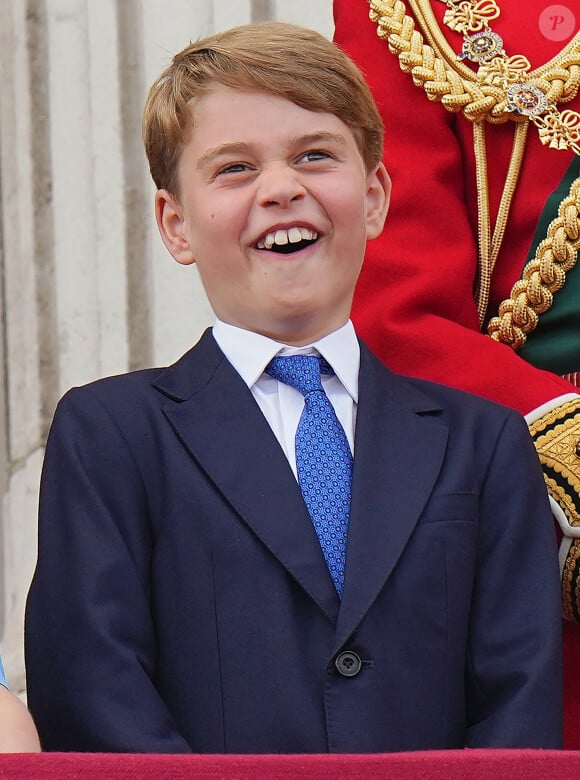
415 303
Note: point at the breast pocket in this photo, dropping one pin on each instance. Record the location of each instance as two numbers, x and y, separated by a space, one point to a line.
451 508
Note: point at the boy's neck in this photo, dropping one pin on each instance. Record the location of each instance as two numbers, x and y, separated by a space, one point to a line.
292 339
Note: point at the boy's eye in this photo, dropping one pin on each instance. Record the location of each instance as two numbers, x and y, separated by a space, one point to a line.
233 168
314 156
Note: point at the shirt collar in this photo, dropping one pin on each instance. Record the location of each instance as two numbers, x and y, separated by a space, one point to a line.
250 352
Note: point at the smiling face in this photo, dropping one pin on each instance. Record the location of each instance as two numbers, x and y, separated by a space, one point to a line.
275 207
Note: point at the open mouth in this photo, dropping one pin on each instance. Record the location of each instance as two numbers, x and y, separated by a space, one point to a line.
288 241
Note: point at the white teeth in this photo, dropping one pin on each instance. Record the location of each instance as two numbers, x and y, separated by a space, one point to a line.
281 237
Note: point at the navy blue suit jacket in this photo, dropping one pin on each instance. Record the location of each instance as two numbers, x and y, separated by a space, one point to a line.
181 601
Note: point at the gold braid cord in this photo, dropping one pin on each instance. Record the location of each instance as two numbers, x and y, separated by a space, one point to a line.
533 294
482 97
557 439
455 85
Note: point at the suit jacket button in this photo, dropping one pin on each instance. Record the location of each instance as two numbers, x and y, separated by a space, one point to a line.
348 663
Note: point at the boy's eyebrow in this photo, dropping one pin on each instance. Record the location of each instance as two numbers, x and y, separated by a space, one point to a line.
322 136
240 147
218 151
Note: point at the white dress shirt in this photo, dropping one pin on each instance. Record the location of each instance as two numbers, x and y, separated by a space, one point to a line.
282 405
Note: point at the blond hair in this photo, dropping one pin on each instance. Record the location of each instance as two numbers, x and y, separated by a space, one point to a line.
275 57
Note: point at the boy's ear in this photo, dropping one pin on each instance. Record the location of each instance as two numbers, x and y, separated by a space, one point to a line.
173 228
378 198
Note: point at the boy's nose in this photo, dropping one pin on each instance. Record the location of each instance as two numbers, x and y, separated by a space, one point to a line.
279 185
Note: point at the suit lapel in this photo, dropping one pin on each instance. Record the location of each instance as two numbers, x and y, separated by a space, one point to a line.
219 422
398 455
400 447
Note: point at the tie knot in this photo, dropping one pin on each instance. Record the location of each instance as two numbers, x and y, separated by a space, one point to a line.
301 372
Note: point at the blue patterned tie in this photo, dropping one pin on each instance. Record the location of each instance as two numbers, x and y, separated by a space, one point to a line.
323 457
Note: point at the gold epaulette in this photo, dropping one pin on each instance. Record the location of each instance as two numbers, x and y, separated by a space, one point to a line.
557 439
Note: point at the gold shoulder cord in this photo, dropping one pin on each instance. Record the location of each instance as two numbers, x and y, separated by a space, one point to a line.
542 277
504 88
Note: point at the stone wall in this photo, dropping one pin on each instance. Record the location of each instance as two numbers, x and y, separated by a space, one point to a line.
86 287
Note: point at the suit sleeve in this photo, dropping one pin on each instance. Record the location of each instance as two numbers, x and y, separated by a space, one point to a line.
514 687
90 640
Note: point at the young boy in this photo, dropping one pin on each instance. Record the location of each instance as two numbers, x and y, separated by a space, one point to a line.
214 574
